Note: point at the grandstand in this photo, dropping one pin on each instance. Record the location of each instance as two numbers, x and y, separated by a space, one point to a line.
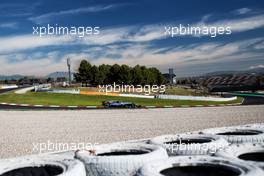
234 83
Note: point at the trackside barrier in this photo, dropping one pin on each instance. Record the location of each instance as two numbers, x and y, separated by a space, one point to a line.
24 90
42 87
145 157
8 86
195 98
136 96
65 91
98 93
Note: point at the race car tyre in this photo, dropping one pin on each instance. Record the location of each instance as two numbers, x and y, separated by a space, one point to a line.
199 166
61 164
252 153
119 160
190 144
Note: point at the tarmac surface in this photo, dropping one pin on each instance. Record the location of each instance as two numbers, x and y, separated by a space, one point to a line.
22 131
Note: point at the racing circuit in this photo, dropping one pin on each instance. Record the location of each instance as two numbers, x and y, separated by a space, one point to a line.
144 130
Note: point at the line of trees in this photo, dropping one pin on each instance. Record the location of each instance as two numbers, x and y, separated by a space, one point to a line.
120 74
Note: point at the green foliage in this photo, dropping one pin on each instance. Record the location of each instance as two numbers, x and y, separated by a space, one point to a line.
84 74
108 74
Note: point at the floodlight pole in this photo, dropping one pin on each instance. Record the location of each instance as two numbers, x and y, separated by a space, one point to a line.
69 69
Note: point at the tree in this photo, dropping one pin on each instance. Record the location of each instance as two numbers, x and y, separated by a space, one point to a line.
94 75
157 76
137 75
103 74
107 74
125 74
114 75
84 72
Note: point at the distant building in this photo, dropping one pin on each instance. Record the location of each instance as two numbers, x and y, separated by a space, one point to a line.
170 77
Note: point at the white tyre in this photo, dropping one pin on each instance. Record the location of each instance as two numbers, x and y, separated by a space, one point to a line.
238 134
61 164
257 126
252 153
199 166
190 144
119 160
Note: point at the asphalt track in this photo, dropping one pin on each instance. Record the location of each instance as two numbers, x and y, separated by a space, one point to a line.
20 130
7 90
253 100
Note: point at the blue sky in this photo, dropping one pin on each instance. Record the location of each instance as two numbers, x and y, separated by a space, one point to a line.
131 32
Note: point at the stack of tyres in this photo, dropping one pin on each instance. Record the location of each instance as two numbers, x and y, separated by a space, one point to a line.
225 151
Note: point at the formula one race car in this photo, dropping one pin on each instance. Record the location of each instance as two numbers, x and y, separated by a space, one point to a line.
118 104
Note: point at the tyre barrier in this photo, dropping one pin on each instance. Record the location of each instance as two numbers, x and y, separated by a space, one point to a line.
61 164
133 157
119 160
252 153
190 144
199 166
238 134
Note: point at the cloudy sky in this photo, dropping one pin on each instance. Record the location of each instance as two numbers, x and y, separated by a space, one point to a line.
131 32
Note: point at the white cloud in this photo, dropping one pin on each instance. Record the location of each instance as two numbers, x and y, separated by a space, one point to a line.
242 11
257 66
137 51
236 25
11 25
243 24
107 36
24 42
259 45
136 34
49 16
189 56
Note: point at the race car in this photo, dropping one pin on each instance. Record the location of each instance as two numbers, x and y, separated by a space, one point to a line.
118 104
